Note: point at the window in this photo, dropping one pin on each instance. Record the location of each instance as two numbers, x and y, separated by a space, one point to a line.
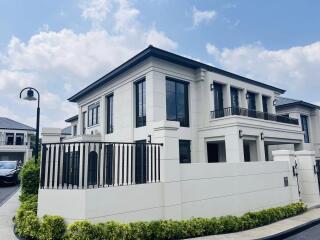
251 104
177 101
184 151
305 128
140 103
9 138
93 114
110 113
265 103
19 139
234 101
218 100
84 122
74 130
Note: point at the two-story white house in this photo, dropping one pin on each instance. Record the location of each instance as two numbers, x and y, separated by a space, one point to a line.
15 139
164 136
308 115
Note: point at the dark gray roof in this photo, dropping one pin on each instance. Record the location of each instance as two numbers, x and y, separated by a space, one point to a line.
167 56
7 123
66 131
71 119
288 102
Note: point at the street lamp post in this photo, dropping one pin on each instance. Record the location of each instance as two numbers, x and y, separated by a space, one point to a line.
30 97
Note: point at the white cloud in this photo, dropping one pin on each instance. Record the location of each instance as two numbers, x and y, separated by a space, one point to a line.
160 40
199 17
6 112
59 63
95 10
296 69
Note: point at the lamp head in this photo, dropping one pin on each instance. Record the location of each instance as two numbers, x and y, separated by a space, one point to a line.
30 95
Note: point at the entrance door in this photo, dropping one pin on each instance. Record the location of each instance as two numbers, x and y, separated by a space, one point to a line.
246 151
141 162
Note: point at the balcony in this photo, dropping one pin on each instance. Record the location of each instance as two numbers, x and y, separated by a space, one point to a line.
237 111
83 165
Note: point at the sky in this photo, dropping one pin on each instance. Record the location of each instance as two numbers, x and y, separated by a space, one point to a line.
59 47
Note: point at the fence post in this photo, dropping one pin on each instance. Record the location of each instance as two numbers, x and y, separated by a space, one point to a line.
166 132
308 177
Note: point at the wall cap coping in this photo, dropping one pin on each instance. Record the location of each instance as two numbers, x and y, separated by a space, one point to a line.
283 153
305 153
166 125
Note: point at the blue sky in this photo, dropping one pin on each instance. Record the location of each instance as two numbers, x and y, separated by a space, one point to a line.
61 46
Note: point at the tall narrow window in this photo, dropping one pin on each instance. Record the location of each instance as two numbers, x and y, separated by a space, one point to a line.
140 103
177 101
84 122
110 113
19 139
184 151
9 138
251 104
234 101
93 114
265 100
74 130
218 100
305 128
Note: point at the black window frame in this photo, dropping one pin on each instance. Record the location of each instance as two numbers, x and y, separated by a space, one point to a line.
74 129
305 127
109 117
141 121
93 114
184 122
184 145
84 122
21 137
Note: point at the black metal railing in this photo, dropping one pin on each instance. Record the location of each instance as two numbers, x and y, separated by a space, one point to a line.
252 113
80 165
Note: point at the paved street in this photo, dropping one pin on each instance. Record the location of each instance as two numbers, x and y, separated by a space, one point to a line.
7 191
311 233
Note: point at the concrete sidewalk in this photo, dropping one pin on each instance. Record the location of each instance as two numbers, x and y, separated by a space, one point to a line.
268 230
7 211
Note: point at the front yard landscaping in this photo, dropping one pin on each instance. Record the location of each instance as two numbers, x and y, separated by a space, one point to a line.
29 226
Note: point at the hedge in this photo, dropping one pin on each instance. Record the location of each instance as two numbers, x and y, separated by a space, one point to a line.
54 227
29 177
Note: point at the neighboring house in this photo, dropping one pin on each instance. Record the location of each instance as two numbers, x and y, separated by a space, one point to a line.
308 116
198 135
15 139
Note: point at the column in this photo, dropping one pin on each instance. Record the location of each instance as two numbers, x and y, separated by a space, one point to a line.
259 102
102 116
260 149
226 96
234 147
288 156
242 98
166 132
308 180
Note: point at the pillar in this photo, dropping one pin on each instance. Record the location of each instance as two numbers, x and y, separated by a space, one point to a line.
234 147
288 156
166 132
226 96
308 180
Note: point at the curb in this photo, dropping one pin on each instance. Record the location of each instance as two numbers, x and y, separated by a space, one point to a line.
292 231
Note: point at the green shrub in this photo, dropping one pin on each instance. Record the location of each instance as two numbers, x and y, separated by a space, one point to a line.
27 224
84 230
29 177
30 203
52 228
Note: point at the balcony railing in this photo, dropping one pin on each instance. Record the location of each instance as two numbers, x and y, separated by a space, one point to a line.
11 143
81 165
252 113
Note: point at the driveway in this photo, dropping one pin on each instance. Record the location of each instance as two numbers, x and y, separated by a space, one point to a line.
6 192
311 233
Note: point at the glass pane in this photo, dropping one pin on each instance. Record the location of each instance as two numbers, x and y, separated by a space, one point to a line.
171 100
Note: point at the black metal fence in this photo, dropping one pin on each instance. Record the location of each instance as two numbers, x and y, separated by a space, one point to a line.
252 113
99 164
